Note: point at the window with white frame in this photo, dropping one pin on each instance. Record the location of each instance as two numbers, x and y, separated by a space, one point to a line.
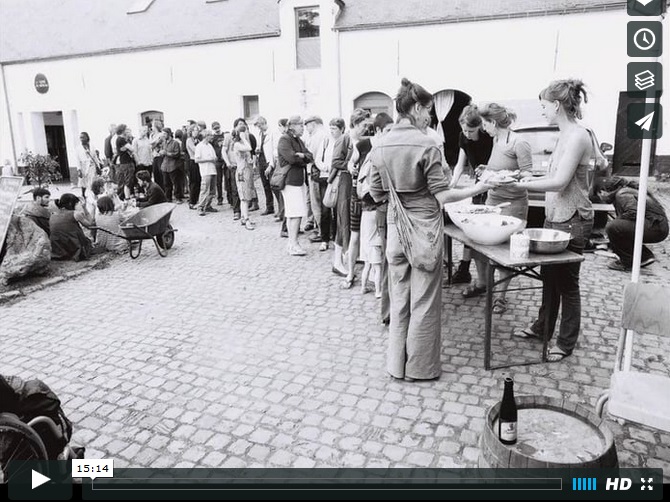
308 37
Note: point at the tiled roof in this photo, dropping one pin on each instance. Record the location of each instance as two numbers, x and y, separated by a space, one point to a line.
371 14
44 29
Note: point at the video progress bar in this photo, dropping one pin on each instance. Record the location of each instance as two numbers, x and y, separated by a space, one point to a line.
264 483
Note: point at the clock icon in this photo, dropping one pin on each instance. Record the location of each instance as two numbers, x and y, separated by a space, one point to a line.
644 39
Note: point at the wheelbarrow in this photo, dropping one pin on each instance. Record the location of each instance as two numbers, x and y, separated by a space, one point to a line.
153 223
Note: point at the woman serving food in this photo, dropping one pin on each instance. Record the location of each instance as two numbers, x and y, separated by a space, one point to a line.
510 160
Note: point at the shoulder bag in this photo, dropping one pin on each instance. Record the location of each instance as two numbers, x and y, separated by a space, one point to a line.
421 238
332 190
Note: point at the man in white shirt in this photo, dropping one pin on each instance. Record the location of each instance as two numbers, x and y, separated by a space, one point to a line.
205 156
315 144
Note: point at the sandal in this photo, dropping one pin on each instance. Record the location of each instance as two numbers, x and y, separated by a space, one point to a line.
473 290
556 354
527 333
348 283
499 305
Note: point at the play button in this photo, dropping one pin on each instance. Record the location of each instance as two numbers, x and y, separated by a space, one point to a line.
38 479
26 481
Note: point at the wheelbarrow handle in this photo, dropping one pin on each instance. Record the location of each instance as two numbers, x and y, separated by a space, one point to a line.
108 232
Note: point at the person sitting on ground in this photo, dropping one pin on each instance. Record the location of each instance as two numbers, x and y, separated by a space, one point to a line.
154 193
38 211
68 241
108 221
621 231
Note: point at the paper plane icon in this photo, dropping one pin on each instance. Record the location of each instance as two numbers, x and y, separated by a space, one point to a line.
645 122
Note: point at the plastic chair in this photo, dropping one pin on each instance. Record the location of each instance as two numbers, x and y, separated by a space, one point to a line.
633 395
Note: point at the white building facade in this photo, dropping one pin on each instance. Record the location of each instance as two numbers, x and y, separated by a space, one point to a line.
222 59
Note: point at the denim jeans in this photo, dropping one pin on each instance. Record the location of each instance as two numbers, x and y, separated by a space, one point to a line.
621 234
193 183
207 191
382 228
325 222
315 195
267 190
343 210
219 181
172 183
416 310
234 195
560 288
157 173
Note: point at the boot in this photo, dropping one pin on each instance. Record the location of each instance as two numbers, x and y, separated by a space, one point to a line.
462 275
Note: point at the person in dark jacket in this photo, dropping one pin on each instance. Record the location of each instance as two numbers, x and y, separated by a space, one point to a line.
169 166
292 152
68 241
38 210
154 193
621 231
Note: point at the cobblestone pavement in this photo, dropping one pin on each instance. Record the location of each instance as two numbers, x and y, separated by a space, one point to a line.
230 353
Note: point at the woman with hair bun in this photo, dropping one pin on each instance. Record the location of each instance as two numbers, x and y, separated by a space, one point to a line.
510 153
407 165
567 208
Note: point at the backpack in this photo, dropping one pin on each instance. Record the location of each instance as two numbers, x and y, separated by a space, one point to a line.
28 399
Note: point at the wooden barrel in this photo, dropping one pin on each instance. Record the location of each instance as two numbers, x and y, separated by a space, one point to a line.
551 433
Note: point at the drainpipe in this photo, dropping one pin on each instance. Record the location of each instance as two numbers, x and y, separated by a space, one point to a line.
339 76
338 61
9 118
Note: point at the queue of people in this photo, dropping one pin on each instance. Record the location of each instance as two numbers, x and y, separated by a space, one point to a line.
378 197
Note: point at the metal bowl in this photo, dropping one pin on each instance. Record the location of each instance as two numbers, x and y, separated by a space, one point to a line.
546 240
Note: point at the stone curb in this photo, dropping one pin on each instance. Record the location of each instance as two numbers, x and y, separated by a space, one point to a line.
16 294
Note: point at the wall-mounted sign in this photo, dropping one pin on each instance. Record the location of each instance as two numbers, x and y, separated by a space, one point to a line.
41 83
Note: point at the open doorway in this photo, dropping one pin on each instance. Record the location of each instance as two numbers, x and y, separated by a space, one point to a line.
448 105
148 117
54 131
375 102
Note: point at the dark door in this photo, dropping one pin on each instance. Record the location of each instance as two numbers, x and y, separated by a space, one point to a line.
627 152
56 147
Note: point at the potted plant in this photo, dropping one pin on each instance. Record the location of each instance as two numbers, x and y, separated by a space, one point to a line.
40 169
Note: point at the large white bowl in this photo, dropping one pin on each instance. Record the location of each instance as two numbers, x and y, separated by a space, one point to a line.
458 213
490 229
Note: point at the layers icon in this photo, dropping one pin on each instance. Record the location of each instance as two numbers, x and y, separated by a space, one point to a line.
644 80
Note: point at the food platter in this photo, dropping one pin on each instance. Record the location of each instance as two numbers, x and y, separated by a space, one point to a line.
503 177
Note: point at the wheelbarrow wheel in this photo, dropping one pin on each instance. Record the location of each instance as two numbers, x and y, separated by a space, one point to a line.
134 248
18 441
166 240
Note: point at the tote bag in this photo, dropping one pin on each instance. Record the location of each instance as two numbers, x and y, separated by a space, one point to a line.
330 197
